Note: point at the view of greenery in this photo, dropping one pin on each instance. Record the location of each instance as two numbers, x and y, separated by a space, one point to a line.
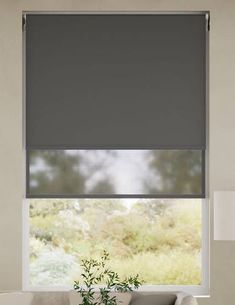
160 239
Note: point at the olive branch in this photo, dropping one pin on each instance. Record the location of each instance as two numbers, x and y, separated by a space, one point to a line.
96 272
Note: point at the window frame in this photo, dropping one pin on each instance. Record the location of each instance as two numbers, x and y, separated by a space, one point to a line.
196 290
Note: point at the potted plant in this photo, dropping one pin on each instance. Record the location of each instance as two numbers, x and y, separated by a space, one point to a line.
96 272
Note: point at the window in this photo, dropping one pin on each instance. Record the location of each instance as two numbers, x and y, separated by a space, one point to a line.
160 239
116 146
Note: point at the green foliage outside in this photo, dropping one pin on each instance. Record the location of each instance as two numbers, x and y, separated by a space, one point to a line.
158 239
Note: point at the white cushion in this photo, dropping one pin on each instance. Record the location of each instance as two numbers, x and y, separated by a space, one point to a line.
185 299
189 300
16 298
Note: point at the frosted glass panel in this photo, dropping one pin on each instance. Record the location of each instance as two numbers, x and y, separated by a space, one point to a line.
115 172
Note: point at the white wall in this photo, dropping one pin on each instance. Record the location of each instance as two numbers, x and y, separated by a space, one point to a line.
222 124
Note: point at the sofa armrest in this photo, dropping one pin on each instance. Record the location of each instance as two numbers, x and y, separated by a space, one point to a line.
19 298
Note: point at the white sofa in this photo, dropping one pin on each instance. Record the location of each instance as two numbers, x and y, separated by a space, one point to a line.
72 298
16 298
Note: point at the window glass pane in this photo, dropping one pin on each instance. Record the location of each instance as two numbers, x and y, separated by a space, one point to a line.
160 239
115 172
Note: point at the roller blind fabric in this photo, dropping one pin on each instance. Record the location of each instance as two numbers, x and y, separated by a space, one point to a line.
115 81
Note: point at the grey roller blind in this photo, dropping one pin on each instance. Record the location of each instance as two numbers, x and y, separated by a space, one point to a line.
115 81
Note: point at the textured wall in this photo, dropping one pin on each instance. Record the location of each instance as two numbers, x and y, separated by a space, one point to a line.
222 124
